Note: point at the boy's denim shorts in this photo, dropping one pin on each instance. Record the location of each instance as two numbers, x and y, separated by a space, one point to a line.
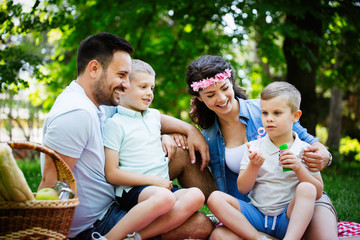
113 215
129 199
264 223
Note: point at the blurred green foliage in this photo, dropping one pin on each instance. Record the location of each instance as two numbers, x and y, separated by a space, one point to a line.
350 148
41 38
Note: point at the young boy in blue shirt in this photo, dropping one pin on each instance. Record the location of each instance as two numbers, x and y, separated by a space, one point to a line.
281 203
137 165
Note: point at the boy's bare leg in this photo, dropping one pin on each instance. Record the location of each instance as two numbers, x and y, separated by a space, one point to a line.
189 175
153 203
300 210
188 201
227 209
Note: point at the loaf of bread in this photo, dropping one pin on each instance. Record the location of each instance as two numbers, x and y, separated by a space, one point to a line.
13 185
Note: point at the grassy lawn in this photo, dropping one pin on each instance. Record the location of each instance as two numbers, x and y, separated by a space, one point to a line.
341 183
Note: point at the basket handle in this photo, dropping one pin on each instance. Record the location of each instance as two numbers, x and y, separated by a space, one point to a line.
63 172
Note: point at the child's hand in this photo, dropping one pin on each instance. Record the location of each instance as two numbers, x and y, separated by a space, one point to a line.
290 160
161 182
180 140
255 155
169 146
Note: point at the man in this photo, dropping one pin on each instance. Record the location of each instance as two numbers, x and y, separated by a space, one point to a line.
74 130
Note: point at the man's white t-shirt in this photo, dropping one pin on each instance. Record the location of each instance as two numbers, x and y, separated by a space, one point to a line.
74 128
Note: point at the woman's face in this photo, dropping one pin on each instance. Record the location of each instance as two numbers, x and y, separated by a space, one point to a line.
219 98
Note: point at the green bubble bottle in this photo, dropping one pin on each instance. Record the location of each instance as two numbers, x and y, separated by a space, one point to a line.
284 147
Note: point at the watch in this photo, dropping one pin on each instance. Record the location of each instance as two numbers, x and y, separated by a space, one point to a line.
330 159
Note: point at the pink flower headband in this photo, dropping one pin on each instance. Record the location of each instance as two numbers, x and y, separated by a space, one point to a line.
220 77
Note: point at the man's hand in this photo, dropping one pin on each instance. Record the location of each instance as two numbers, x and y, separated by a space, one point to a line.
168 145
315 157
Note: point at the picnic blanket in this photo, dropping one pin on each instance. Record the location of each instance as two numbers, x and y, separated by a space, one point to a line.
348 229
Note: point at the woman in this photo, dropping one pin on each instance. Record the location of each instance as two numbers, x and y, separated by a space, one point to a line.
229 121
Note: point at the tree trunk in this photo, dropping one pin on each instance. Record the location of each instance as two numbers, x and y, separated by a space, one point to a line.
334 130
301 58
11 98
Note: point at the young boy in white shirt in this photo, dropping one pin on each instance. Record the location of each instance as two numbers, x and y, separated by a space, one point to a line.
137 165
281 203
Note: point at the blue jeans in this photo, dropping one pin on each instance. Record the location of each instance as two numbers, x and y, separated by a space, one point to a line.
103 226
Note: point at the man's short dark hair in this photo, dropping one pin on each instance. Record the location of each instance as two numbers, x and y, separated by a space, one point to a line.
101 47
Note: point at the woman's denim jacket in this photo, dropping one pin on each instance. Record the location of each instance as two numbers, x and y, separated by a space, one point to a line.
250 115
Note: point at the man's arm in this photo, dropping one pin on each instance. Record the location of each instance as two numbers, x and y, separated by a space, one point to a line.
195 139
49 174
74 136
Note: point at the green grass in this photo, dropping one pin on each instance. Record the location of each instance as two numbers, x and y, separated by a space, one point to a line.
341 183
32 173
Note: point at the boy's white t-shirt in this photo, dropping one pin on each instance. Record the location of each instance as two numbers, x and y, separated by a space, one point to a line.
273 189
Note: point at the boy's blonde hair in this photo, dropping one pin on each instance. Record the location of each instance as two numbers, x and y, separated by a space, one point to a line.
141 66
284 90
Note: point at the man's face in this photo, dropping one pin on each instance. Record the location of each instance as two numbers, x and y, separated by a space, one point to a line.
113 81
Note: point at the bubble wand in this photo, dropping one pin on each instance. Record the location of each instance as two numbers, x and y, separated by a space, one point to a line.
261 131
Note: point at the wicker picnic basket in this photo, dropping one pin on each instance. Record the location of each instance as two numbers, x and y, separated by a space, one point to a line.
39 219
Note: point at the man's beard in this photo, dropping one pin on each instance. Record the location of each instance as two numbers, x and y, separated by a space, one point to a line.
102 95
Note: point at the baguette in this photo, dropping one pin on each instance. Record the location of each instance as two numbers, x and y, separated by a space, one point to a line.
13 185
2 198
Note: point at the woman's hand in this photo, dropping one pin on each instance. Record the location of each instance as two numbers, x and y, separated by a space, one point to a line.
180 140
195 139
